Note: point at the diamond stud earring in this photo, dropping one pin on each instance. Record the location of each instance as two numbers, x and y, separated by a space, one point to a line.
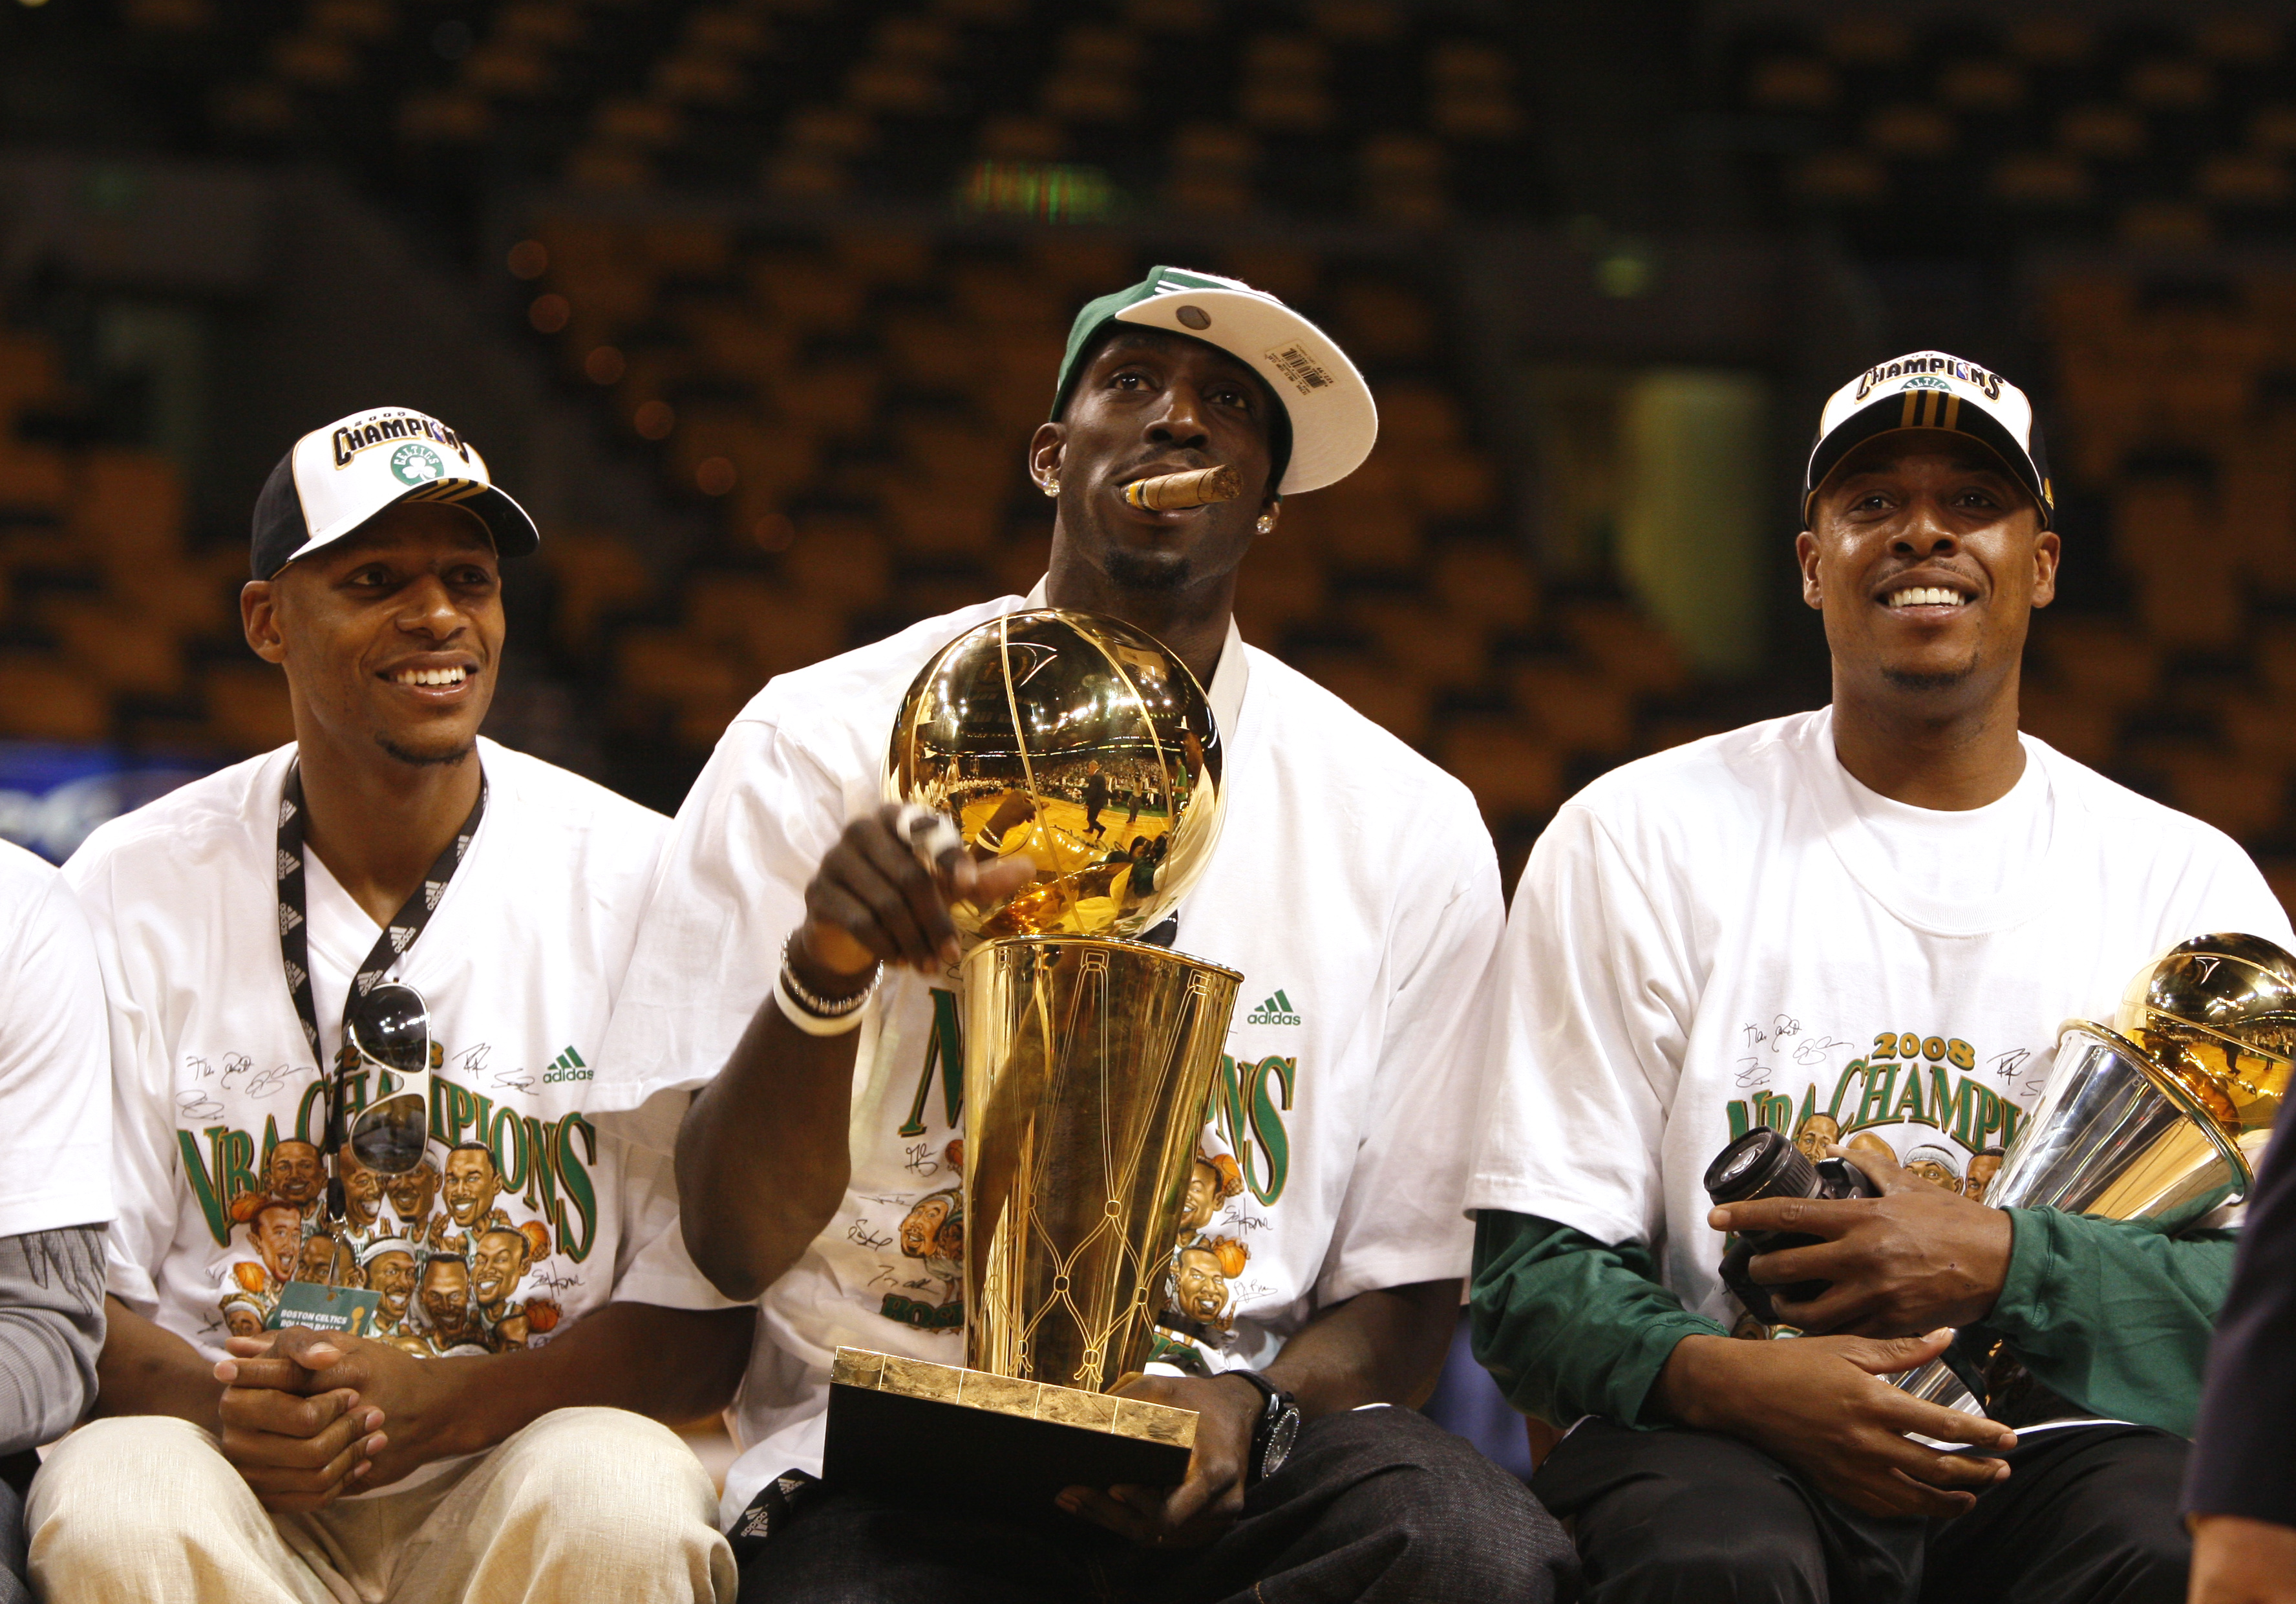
1051 487
1265 523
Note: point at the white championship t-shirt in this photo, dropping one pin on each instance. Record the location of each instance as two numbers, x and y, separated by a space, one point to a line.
536 1204
1353 886
55 1074
1737 932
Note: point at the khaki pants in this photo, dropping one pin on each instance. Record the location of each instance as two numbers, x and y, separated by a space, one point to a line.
583 1504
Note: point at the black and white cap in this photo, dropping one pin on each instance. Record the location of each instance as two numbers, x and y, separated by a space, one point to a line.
1930 390
338 477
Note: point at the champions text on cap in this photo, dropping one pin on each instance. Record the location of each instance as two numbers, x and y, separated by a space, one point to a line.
336 478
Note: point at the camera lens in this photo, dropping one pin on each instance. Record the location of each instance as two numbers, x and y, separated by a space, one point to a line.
1760 1164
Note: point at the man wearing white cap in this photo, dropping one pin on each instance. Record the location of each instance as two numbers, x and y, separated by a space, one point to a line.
1870 919
786 892
367 951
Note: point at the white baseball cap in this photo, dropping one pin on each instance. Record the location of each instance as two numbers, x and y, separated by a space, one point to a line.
336 478
1930 390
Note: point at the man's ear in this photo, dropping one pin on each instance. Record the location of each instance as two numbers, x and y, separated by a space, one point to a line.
258 619
2047 551
1046 448
1813 595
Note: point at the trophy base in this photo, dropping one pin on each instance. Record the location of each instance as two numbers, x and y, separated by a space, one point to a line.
911 1430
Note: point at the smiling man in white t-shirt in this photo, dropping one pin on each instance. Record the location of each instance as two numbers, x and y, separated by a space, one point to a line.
817 1170
1861 926
465 913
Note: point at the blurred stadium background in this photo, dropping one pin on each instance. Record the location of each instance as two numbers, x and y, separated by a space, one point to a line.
755 303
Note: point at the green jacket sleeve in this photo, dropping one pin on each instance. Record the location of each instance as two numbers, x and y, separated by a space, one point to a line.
1567 1326
2113 1315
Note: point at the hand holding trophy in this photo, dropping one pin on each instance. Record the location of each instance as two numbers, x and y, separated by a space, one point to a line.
1088 1053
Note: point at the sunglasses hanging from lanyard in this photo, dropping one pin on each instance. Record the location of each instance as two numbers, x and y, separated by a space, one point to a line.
386 1024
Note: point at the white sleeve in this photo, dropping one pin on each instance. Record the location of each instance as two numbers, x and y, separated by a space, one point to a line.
1593 1021
55 1068
2221 890
1401 1220
651 1265
728 888
143 1154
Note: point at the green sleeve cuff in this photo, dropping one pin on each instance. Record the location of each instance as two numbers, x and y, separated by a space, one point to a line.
1569 1325
2114 1316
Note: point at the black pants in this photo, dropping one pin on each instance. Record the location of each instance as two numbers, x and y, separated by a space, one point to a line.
1376 1504
13 1588
2088 1516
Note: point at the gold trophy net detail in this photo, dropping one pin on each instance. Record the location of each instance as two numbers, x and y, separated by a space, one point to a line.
1087 1062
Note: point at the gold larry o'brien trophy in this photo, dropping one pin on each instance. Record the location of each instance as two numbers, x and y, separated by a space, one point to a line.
1088 1059
2160 1115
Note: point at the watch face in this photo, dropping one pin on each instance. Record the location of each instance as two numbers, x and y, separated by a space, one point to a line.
1281 1435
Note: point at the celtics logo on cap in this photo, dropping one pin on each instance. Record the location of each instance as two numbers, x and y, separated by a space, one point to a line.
416 463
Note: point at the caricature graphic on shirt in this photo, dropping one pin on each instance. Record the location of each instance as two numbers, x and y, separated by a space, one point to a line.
467 1252
450 1321
498 1265
932 1232
1201 1270
391 1271
297 1176
470 1187
1982 1168
411 1196
243 1315
1816 1133
326 1260
1907 1094
273 1236
1935 1165
1213 1178
362 1198
1918 1100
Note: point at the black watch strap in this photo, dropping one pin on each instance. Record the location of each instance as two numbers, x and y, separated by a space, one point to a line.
1278 1425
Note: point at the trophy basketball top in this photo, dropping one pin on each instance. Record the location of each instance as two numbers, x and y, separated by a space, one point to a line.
1081 741
2218 1014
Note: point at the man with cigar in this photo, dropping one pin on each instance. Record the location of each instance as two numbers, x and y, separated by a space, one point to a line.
799 1159
240 922
1876 913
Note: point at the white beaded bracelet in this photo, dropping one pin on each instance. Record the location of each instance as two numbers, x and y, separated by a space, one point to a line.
812 1023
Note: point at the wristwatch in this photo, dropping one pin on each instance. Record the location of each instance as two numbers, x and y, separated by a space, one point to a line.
1278 1429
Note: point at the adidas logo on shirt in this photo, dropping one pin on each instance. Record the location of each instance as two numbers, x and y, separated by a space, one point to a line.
566 1065
1277 1010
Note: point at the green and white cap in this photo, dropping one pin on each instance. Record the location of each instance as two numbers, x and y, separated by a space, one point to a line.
1329 419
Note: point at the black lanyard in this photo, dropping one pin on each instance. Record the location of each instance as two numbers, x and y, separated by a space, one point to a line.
397 937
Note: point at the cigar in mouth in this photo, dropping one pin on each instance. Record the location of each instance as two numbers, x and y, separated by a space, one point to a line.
1198 487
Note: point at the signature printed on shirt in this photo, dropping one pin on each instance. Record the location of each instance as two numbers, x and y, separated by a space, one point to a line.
2006 1065
1812 1050
259 1083
194 1103
473 1062
859 1233
921 1162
